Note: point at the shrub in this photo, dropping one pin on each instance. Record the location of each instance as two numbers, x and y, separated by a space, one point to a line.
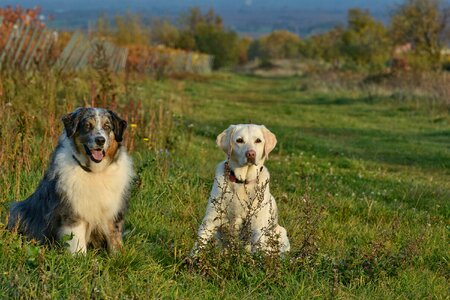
276 45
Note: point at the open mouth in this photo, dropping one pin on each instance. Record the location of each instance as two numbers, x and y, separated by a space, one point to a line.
96 155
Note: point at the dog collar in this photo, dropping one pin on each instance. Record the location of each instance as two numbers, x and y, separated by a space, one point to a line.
83 167
232 177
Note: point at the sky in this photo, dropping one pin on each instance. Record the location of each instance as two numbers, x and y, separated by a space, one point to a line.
375 5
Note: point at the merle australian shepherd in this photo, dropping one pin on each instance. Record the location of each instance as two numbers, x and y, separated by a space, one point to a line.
85 190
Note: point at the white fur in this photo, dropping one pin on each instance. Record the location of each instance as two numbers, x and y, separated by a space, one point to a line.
239 201
101 131
96 197
78 243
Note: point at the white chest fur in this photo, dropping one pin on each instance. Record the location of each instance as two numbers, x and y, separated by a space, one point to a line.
239 200
94 197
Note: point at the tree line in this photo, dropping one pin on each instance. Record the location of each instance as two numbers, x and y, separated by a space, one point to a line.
415 37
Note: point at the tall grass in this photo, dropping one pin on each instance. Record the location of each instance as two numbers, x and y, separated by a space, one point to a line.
31 106
423 89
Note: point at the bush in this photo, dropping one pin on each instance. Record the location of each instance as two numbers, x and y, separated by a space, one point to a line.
276 45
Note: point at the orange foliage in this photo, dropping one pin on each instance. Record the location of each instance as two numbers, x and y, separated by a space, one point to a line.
10 15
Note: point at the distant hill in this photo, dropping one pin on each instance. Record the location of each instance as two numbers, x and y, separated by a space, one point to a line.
248 17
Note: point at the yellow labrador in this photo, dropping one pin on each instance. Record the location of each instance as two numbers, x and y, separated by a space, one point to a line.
240 199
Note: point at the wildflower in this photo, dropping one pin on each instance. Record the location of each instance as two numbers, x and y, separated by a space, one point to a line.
133 125
146 139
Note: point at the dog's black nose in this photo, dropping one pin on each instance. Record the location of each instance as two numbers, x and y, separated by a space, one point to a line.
100 140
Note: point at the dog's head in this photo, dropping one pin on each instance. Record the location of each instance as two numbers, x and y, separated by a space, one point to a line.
247 144
95 132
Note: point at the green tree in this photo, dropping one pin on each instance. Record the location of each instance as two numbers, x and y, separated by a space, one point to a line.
281 44
324 47
242 49
220 43
277 44
186 41
425 25
365 42
163 32
206 33
130 30
102 26
194 17
255 49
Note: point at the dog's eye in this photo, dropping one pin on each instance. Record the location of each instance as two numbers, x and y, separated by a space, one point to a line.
107 127
240 140
258 140
87 126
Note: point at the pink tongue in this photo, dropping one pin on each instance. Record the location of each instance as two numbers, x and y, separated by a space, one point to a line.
97 154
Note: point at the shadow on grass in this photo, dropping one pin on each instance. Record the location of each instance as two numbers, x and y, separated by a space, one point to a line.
326 100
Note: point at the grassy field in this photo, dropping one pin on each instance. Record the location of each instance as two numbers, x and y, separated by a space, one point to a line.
362 184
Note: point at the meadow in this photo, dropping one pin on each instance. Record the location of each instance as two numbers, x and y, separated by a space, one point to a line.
361 175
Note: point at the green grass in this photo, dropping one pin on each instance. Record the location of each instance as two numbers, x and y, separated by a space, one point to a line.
363 189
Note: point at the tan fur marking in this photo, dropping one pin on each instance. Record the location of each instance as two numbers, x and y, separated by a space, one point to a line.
112 149
80 148
114 238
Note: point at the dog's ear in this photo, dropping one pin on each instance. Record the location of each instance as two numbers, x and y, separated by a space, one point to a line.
270 141
223 140
119 126
71 121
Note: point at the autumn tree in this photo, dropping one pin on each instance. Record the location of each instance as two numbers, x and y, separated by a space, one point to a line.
278 44
206 33
190 20
425 25
163 32
220 43
365 41
103 26
130 30
242 49
325 46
